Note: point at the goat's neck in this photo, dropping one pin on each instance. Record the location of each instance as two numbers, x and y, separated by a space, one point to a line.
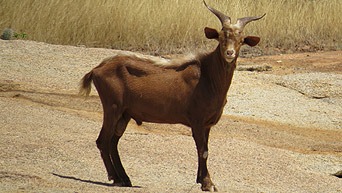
218 72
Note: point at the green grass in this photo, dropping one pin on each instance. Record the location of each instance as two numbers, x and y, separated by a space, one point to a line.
160 26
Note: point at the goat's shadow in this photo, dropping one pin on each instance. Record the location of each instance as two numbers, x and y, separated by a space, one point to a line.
89 181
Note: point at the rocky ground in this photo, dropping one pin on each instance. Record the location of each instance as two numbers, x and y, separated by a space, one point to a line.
281 130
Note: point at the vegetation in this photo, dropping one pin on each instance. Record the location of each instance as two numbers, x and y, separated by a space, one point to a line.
7 34
158 26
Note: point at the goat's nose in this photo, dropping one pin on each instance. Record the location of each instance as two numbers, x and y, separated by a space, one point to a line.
230 52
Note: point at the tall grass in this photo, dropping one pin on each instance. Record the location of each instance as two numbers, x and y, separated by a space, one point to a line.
161 26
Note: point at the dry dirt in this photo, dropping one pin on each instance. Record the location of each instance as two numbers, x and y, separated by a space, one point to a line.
281 130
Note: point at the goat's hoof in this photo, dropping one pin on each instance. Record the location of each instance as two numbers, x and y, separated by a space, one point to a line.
120 182
209 187
123 184
207 184
128 184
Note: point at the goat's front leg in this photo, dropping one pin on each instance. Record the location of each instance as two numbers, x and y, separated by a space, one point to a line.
201 136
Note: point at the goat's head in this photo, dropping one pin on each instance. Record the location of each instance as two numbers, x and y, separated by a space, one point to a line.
231 36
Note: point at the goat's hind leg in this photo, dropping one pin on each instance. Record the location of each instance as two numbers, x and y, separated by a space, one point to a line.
104 142
119 130
104 150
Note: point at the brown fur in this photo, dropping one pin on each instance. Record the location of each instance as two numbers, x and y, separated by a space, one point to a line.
191 92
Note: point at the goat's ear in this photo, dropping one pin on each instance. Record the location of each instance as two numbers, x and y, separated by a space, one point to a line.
211 33
251 40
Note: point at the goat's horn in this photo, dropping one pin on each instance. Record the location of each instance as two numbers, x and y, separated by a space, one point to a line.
242 22
223 18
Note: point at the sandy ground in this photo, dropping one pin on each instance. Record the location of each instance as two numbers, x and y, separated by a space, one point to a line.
281 130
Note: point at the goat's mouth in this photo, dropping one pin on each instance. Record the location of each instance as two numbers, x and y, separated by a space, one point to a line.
230 58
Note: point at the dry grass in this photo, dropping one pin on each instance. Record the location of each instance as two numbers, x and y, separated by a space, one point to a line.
158 26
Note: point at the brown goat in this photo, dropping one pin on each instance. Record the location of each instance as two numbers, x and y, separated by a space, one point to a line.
190 91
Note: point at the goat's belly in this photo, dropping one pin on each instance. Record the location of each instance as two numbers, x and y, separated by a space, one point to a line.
145 117
158 103
157 113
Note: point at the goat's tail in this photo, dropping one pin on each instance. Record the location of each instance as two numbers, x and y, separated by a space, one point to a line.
85 84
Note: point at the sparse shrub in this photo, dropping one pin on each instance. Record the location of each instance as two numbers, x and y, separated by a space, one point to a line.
7 34
19 35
